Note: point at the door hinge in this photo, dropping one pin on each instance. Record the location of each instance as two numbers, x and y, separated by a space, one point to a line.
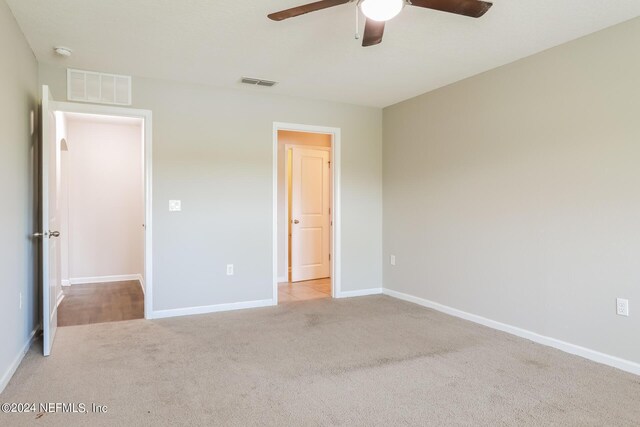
329 257
329 163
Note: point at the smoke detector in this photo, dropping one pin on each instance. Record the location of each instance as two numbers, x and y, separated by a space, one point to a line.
62 51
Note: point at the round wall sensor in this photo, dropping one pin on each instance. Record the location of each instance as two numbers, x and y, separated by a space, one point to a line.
63 51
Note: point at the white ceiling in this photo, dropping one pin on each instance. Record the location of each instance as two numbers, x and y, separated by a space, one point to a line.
215 42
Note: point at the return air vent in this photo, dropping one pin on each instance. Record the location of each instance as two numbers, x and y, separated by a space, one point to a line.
101 88
257 82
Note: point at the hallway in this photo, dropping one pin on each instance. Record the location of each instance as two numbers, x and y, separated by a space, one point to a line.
101 302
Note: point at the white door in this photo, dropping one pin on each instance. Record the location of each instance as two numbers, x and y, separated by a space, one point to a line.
310 214
50 221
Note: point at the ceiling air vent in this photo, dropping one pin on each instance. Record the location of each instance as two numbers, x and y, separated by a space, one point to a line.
257 82
101 88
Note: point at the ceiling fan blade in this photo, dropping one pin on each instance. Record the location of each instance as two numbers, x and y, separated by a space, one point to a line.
472 8
373 31
301 10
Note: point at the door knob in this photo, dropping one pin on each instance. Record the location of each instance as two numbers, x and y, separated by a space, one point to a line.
38 235
54 234
295 221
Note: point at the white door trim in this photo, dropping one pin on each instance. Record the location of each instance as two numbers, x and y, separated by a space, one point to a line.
287 147
336 272
146 115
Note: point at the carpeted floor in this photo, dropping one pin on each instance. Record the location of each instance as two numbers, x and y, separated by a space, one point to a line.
359 361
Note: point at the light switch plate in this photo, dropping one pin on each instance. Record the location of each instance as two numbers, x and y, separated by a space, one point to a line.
229 269
175 205
392 260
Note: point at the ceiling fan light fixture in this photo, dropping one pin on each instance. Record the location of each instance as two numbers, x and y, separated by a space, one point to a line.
381 10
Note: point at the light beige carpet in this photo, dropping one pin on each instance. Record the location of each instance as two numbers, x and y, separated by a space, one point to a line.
360 361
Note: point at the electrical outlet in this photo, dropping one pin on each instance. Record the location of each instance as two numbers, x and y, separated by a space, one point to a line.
622 306
392 259
229 269
20 300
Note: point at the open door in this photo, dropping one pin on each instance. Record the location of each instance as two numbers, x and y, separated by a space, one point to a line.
310 214
50 218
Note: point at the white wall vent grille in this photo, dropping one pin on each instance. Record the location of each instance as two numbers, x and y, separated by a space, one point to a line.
101 88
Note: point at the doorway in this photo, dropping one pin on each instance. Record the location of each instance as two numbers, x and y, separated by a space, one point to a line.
100 194
77 249
306 214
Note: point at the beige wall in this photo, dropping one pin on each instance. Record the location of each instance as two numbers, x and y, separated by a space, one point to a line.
106 199
18 86
515 194
213 149
292 138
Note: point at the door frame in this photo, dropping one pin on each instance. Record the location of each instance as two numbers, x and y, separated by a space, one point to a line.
336 241
147 118
287 147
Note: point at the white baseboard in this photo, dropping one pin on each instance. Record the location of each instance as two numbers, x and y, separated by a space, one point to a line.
160 314
282 279
587 353
65 282
6 377
142 284
359 293
103 279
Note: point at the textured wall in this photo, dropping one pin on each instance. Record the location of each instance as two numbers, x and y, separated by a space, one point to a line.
514 195
213 149
106 199
18 86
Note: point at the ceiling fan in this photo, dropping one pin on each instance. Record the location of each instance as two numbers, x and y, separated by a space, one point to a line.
379 11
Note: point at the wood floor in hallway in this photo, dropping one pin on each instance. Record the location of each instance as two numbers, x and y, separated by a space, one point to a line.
101 302
301 291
